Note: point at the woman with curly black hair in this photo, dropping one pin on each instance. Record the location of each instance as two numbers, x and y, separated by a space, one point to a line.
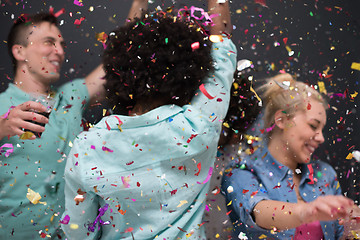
145 174
155 58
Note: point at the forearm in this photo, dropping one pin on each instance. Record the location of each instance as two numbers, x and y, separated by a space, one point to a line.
283 215
138 7
222 22
271 214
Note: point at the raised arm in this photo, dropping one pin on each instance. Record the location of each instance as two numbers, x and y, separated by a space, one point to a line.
137 9
222 22
94 81
269 214
214 99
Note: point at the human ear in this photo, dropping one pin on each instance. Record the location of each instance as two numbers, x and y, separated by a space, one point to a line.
280 119
18 52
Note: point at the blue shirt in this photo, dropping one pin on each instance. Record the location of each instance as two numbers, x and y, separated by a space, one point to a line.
38 165
150 178
260 177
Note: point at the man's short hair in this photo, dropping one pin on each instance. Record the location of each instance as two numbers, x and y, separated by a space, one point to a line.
17 34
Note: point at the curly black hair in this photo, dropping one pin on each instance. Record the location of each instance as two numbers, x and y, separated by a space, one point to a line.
243 109
158 55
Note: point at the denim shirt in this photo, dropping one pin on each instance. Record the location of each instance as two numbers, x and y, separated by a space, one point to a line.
260 177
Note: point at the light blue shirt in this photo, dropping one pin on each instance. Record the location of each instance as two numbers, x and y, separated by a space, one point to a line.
152 176
39 165
260 177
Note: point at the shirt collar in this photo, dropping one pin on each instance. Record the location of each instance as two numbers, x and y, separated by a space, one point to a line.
263 156
113 122
22 96
279 170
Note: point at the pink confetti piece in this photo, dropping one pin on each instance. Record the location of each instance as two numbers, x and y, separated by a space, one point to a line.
65 220
76 2
195 45
207 208
270 128
348 174
107 126
78 21
125 182
311 174
130 229
58 13
204 14
105 149
8 151
92 147
120 122
8 112
208 176
205 92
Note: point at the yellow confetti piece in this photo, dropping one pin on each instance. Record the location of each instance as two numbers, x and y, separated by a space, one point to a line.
62 138
262 236
182 202
26 135
322 88
338 185
355 66
74 226
288 48
326 71
229 203
215 38
11 185
236 85
217 235
34 197
354 95
256 95
225 124
349 156
190 233
70 144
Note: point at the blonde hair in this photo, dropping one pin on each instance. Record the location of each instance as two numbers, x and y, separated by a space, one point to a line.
283 92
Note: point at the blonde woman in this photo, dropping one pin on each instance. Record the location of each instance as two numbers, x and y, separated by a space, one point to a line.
279 192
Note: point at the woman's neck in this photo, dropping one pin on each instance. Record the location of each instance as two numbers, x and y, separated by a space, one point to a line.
279 151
